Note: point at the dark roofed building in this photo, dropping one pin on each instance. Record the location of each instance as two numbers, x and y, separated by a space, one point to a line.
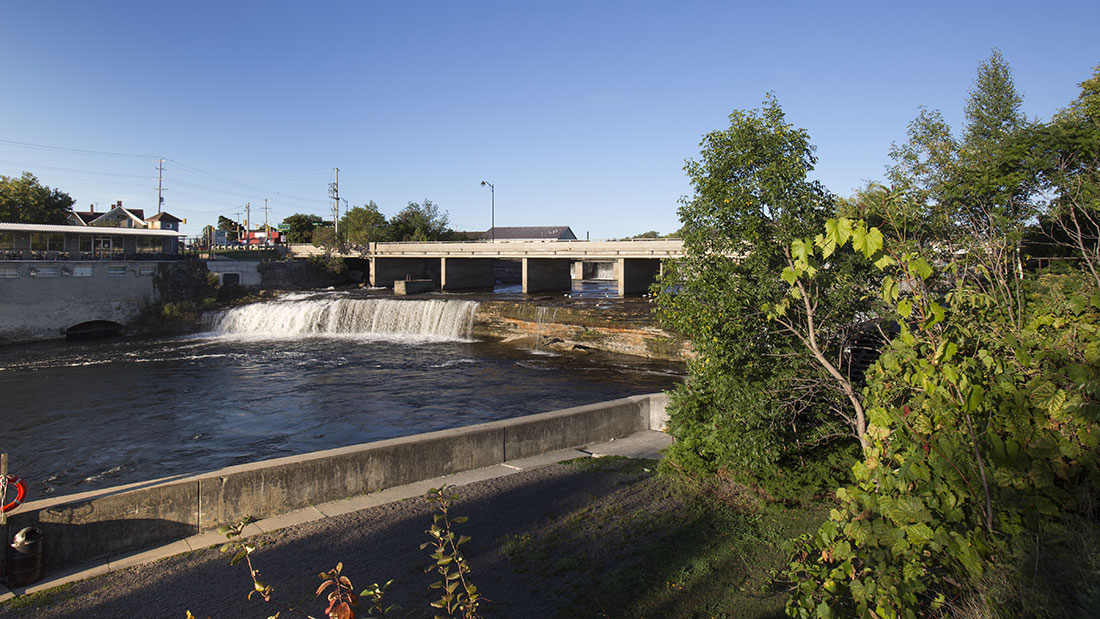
531 233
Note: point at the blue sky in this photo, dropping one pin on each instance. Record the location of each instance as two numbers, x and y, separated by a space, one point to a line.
580 113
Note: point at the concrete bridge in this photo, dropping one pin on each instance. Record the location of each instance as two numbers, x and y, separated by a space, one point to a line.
545 265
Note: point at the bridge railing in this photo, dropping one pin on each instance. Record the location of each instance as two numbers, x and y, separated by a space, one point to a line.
632 248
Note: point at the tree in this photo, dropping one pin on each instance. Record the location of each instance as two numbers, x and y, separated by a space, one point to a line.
300 227
758 401
25 200
324 236
420 222
993 110
232 228
969 196
1067 154
365 224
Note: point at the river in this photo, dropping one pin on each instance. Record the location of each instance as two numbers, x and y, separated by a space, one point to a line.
302 373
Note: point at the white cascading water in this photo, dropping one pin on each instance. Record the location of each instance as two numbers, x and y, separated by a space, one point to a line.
295 317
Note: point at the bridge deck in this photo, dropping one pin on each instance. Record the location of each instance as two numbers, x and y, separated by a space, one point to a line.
515 250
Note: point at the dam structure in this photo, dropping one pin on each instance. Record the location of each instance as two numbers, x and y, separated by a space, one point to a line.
547 266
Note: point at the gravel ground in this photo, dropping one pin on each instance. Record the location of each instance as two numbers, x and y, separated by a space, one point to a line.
542 539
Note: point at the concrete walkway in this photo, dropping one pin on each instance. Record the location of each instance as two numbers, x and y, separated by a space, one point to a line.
645 444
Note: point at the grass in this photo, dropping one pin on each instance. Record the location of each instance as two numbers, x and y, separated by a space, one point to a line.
673 549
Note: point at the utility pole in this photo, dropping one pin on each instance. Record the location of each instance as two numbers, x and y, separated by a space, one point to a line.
266 226
247 223
160 184
237 220
334 193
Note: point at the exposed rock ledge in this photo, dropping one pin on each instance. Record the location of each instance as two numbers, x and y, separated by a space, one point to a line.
617 328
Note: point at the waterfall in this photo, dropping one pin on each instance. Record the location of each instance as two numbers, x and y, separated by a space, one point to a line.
294 317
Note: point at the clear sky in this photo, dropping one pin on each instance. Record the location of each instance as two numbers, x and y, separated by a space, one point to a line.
580 113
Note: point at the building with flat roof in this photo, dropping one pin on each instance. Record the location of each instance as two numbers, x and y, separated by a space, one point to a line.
74 242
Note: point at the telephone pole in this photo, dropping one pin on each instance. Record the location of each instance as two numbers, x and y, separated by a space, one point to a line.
160 184
247 222
266 226
334 193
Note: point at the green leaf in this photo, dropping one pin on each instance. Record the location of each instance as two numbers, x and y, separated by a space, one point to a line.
789 275
936 314
801 251
890 289
921 268
867 241
905 308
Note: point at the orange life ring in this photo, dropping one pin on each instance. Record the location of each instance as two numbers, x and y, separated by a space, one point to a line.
21 493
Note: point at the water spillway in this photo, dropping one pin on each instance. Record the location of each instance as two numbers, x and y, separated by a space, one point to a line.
300 373
295 316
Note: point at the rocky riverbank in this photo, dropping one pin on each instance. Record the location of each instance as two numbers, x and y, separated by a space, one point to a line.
613 325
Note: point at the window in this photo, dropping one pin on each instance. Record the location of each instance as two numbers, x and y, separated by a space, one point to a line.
9 272
116 270
41 241
83 271
85 243
148 245
147 270
44 272
7 240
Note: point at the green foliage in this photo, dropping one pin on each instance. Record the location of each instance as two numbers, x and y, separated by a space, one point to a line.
365 224
993 110
755 403
420 222
300 227
25 200
231 227
459 596
324 236
328 265
977 444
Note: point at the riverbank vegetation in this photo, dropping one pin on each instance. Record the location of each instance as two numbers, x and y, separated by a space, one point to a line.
923 356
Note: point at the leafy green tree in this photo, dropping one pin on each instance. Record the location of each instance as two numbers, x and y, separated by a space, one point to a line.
365 224
232 228
981 445
324 236
968 196
1067 155
420 222
300 227
25 200
758 402
982 418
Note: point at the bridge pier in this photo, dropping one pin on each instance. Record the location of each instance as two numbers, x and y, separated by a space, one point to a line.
384 271
467 273
635 275
546 274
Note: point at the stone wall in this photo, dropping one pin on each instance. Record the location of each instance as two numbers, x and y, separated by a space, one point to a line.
41 299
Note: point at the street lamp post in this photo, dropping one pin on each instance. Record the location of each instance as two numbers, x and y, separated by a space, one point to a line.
493 212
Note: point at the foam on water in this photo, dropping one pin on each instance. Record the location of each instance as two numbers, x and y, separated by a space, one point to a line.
294 317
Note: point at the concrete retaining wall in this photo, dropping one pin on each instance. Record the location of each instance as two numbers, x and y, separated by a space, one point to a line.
82 527
40 299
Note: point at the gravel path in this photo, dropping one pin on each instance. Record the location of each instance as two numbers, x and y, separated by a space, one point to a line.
540 538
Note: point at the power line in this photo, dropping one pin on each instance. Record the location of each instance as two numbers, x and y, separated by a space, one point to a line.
74 150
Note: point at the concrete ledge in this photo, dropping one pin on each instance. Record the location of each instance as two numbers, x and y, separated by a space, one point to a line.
125 520
403 287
